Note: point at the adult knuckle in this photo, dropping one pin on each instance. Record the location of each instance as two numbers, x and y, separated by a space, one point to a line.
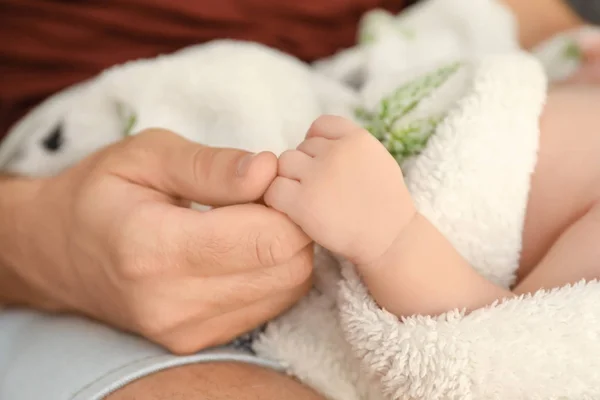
278 249
132 267
133 262
201 160
138 265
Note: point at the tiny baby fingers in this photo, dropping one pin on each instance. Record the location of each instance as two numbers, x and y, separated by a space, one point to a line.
332 127
294 164
315 146
282 195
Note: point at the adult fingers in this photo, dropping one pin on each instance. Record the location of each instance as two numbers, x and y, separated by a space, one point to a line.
166 302
171 164
230 240
200 333
164 311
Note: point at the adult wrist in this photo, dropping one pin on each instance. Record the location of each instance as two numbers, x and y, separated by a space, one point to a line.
18 197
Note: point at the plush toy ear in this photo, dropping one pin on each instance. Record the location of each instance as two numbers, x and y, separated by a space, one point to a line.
65 133
42 152
44 121
55 139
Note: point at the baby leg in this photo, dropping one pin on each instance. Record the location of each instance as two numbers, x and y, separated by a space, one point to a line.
574 257
562 228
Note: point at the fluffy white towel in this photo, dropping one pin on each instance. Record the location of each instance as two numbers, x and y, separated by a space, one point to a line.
476 136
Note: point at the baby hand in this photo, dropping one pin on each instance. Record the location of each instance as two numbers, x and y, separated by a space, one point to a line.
344 189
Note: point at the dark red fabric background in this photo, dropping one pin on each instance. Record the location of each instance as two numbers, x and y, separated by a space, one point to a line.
46 45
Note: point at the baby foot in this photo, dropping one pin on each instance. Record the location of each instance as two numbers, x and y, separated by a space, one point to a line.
344 189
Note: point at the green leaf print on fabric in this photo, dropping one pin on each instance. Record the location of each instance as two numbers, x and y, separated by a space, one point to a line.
131 120
128 117
572 51
388 124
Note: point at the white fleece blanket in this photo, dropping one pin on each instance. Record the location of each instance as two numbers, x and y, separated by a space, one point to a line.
470 177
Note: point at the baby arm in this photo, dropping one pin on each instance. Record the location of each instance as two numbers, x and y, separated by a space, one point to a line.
347 192
422 273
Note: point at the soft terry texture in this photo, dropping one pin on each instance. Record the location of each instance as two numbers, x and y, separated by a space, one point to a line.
471 179
465 184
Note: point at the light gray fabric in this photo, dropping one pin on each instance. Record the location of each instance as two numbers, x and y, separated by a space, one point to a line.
69 358
589 10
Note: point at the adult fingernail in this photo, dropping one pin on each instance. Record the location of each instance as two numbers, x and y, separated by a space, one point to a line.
244 164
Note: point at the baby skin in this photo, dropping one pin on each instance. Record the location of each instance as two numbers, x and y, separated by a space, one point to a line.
407 264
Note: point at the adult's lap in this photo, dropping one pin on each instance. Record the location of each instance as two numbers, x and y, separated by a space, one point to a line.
65 357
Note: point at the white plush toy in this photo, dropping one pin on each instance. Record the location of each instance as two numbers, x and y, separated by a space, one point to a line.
394 49
225 93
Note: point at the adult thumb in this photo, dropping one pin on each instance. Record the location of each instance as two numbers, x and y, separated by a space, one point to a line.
213 176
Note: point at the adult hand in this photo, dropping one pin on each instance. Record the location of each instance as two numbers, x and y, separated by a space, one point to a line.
114 238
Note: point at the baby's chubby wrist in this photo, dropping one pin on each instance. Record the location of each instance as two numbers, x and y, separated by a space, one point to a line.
385 253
